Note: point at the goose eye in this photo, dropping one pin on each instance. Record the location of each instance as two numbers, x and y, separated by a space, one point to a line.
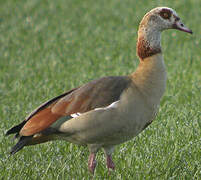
165 14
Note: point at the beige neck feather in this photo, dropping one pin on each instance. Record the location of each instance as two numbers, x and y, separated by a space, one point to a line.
150 78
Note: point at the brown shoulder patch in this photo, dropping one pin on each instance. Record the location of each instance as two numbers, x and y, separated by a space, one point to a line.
96 94
144 50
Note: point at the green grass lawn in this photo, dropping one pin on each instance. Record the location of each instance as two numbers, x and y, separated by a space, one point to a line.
48 47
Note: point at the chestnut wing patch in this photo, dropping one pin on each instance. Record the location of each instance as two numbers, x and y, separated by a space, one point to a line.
96 94
39 122
16 129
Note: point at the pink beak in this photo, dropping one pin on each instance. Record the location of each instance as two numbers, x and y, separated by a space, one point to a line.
180 26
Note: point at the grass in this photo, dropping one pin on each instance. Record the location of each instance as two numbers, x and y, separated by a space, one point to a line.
48 47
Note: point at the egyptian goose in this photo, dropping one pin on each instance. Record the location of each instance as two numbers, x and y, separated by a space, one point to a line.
111 110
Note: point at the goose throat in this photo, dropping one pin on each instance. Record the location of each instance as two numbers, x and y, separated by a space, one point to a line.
148 44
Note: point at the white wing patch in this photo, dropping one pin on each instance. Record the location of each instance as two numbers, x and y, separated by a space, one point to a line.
113 105
75 114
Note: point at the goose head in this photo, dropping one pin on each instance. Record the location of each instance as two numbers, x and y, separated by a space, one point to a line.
151 26
162 18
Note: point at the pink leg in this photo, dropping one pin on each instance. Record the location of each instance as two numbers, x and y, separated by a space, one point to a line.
110 163
92 162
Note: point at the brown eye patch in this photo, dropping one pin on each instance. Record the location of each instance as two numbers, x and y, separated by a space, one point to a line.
165 13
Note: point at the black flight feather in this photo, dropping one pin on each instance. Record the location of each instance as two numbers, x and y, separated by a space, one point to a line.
21 143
